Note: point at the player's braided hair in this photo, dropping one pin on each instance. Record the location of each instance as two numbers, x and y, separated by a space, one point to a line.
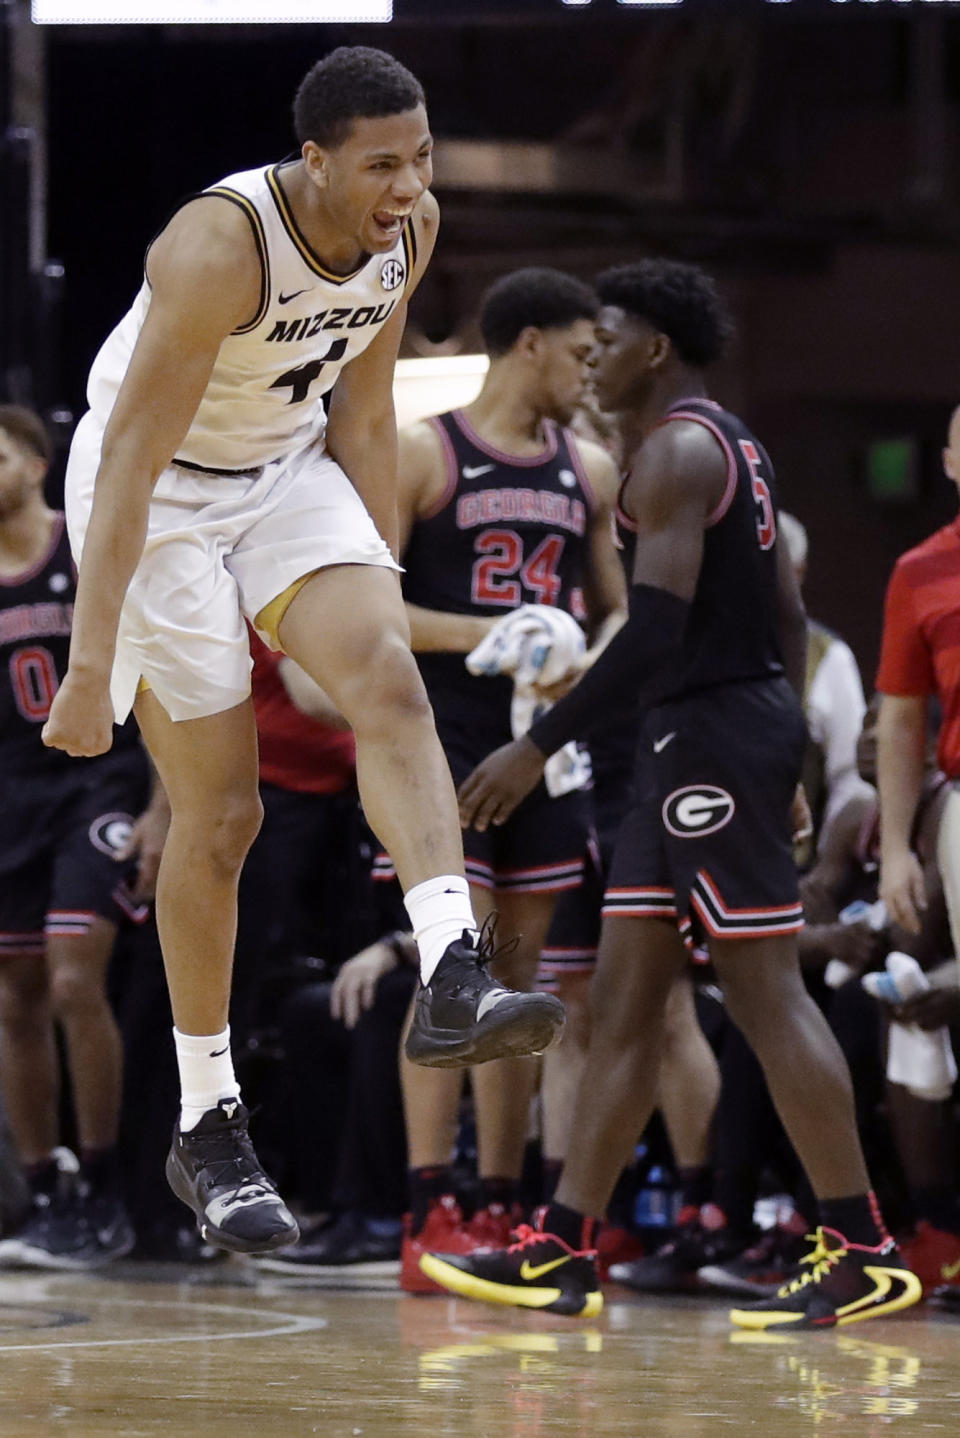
538 297
353 82
680 300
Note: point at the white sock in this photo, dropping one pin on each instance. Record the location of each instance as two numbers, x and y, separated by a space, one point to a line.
439 910
206 1074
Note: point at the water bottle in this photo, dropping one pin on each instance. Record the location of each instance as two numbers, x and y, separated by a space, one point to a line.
656 1203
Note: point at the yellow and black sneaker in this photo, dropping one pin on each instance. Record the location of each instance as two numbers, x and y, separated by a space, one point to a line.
537 1271
840 1283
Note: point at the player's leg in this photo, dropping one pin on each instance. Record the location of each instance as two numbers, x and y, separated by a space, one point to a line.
562 1071
638 963
77 967
689 1091
431 1107
859 1273
346 626
29 1065
209 769
503 1090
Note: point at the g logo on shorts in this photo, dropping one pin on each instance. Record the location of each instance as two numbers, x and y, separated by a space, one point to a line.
110 832
392 274
697 809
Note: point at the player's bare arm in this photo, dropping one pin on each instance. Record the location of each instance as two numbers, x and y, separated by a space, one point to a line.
791 621
901 750
362 428
604 586
205 281
676 480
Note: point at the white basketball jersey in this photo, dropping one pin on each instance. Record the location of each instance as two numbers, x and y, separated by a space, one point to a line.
263 398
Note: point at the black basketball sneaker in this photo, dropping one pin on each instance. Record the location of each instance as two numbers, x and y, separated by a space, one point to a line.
537 1271
215 1172
463 1016
840 1283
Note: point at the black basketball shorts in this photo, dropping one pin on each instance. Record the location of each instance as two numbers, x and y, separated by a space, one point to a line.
707 841
539 850
68 874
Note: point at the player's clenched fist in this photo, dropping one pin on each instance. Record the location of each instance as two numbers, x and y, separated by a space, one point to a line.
81 718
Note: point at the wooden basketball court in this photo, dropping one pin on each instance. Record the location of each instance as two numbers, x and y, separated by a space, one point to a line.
143 1351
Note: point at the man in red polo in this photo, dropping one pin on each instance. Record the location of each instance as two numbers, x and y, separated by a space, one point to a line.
920 660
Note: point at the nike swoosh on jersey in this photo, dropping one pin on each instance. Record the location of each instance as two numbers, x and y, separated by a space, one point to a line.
474 471
285 299
949 1271
530 1272
659 744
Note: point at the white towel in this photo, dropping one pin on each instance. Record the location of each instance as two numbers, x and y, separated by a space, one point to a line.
920 1060
536 644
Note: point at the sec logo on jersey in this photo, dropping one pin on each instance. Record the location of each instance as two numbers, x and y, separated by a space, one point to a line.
697 809
392 274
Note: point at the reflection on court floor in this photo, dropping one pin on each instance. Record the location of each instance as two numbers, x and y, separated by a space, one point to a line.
146 1352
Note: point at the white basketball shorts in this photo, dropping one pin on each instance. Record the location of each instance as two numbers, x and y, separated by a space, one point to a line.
219 548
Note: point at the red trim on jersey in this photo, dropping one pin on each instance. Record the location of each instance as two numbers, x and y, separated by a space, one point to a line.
516 461
453 473
590 494
10 581
730 488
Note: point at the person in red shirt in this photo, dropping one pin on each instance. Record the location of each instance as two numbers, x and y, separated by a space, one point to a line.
920 661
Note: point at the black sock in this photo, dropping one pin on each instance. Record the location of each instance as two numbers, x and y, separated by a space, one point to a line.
42 1176
100 1170
552 1169
696 1186
575 1229
502 1191
426 1184
857 1218
623 1199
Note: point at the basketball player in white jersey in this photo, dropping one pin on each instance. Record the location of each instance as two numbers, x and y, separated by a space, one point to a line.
206 486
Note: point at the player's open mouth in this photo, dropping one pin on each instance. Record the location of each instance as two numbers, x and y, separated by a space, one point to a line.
389 221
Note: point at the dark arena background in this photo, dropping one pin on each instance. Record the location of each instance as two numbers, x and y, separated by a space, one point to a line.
806 153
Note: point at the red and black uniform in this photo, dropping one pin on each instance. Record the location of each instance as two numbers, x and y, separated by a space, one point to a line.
63 819
708 837
506 531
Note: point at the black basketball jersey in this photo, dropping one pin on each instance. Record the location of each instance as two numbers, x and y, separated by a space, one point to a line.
36 615
506 531
731 632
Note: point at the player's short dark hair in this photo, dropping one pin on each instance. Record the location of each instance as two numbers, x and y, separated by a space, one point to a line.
679 300
27 430
353 82
543 298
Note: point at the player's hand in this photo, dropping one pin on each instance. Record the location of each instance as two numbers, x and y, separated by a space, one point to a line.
857 945
80 721
145 844
930 1010
491 793
356 984
903 890
801 820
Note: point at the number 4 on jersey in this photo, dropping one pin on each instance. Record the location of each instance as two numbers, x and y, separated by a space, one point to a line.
299 380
